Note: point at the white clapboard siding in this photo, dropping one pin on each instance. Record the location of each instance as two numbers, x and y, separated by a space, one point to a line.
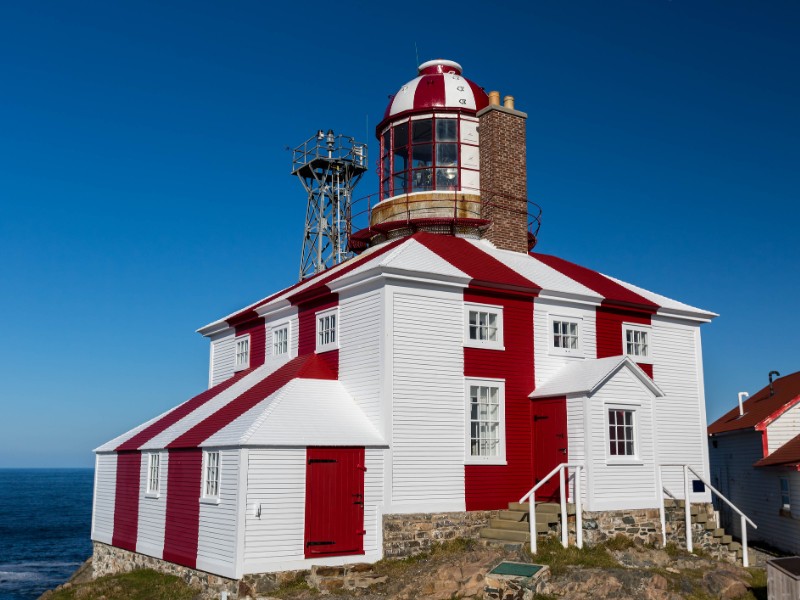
152 508
275 518
755 491
680 414
548 363
360 356
783 429
617 486
216 540
223 348
576 440
373 500
105 487
428 402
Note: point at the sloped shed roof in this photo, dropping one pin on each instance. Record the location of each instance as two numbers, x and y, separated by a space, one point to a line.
761 408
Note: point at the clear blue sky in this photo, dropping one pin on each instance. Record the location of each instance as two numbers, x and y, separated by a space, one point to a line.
145 187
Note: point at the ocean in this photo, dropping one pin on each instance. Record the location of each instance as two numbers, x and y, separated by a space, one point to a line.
45 523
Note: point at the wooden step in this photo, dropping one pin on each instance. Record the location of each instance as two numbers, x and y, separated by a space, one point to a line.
506 534
548 507
519 516
517 525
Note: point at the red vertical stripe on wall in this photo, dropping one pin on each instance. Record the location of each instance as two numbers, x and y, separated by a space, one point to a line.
494 486
609 328
182 525
258 340
647 368
126 500
307 329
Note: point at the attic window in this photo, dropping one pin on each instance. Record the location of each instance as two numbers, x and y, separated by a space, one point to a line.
565 335
242 360
327 338
280 340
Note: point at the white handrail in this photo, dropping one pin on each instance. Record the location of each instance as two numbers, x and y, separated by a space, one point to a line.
744 519
531 497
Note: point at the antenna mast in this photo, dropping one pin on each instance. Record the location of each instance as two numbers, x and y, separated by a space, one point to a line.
329 166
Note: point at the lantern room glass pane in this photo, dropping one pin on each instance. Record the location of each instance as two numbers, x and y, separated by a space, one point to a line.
447 179
422 131
386 144
400 183
446 155
446 130
422 180
422 155
400 159
400 135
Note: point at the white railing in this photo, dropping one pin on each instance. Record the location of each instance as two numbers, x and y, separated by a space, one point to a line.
744 519
531 497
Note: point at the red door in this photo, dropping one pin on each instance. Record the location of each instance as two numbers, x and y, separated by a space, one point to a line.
334 501
549 444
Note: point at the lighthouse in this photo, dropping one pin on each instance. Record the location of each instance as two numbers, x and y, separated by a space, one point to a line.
452 161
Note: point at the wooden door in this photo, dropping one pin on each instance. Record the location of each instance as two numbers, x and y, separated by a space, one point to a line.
549 444
334 501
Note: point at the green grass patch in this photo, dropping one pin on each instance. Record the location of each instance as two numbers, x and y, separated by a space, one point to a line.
295 586
550 552
136 585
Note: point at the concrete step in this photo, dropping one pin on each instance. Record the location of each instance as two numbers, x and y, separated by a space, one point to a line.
695 510
548 507
701 518
718 532
710 525
726 539
519 516
506 535
734 546
517 525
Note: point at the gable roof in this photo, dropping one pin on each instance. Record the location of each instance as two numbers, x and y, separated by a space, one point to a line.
761 409
480 264
587 376
786 455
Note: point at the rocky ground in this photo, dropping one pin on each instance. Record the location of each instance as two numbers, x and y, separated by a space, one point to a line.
615 570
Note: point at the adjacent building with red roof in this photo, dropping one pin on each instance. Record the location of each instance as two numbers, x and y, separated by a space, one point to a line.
755 458
444 369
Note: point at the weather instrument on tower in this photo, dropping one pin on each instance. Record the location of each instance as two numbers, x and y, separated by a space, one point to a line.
329 166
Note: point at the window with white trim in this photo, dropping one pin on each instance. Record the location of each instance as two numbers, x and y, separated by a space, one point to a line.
485 421
636 343
280 340
211 475
483 326
786 495
621 433
327 330
242 353
153 472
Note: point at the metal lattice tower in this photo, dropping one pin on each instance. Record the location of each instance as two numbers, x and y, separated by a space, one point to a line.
329 166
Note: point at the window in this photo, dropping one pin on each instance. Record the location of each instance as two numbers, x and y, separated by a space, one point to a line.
280 340
636 342
565 335
786 496
419 155
211 475
484 326
620 432
485 422
327 338
242 360
153 466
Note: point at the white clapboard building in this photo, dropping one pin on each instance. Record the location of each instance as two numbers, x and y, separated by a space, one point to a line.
445 368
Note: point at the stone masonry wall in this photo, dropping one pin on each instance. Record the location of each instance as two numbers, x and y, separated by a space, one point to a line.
405 535
504 182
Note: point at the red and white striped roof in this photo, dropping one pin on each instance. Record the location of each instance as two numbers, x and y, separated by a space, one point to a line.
439 85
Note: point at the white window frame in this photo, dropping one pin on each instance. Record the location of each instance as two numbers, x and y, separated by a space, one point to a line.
284 326
646 329
500 458
241 366
622 459
492 309
323 346
153 483
551 343
211 488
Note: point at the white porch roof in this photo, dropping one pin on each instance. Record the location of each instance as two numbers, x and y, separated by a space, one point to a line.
585 377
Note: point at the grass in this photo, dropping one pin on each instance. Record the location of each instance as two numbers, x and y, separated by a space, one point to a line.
396 567
136 585
553 554
293 587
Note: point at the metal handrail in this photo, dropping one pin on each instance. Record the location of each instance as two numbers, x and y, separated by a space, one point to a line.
531 497
744 519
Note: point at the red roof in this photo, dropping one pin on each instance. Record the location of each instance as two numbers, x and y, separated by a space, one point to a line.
788 454
761 409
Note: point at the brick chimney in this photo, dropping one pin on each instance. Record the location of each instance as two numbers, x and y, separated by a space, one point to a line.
504 181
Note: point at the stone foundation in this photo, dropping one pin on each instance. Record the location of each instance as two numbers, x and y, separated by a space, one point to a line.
406 535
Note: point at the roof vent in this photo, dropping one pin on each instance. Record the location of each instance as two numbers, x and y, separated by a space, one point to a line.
771 387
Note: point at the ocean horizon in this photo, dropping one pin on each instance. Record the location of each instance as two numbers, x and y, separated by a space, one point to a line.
45 524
